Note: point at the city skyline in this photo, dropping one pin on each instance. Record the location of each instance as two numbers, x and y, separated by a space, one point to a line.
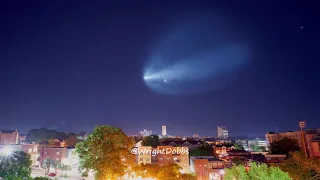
191 66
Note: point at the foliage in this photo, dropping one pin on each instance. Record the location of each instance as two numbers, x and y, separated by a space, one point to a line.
238 161
203 150
256 172
169 171
152 140
238 146
44 135
284 146
65 168
47 163
299 167
41 178
254 147
72 140
107 151
15 167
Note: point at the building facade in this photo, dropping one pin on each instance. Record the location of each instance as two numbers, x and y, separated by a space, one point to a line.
33 151
164 130
206 167
310 137
145 133
8 137
222 132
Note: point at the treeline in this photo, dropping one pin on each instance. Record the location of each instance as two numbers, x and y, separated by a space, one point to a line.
44 135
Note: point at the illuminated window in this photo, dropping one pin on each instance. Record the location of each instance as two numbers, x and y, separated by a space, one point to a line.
30 150
57 153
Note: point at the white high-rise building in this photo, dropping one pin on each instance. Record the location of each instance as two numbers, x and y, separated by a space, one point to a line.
164 130
222 132
145 133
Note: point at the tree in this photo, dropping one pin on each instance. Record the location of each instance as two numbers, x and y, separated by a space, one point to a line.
16 166
47 163
65 168
203 150
72 140
168 171
300 168
284 146
152 140
254 147
238 161
255 172
43 135
107 150
238 146
41 178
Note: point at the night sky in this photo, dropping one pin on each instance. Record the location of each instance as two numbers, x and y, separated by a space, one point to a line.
72 65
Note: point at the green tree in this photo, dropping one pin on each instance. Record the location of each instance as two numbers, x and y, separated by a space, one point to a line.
47 163
203 150
238 146
254 147
284 146
43 135
41 178
238 161
65 168
16 166
152 140
301 168
256 172
107 150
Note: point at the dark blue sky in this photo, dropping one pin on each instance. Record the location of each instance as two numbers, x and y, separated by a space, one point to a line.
71 66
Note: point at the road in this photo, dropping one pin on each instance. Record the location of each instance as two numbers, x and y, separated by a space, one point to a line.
72 175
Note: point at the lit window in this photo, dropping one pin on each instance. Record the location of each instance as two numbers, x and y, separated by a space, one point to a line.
58 153
30 150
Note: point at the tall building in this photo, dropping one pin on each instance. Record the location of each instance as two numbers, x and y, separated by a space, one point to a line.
164 130
145 133
222 132
9 137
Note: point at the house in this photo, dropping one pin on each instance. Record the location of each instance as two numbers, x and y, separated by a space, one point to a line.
8 137
238 154
222 150
191 144
144 154
33 151
207 167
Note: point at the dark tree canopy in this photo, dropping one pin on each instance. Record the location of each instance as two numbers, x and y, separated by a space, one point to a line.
152 140
44 135
300 168
284 146
203 150
16 166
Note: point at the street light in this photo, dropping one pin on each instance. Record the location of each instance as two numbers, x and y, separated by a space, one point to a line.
7 151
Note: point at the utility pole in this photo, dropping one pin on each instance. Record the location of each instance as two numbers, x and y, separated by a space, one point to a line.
302 125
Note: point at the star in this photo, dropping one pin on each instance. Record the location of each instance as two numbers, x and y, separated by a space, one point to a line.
301 27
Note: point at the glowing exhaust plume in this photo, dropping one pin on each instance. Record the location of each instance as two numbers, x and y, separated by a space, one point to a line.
197 56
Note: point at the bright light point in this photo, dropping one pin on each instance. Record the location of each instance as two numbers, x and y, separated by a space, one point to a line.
165 80
222 172
7 151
